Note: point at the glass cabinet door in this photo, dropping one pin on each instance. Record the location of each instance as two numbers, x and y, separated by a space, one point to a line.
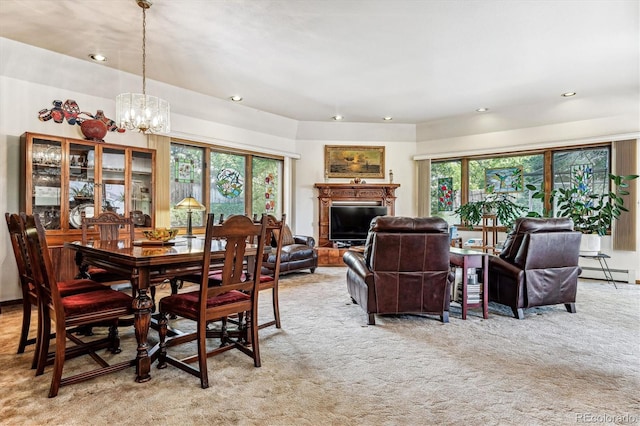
46 160
141 187
82 183
113 181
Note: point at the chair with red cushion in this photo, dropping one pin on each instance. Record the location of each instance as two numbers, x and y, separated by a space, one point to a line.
106 226
99 306
269 277
234 296
29 292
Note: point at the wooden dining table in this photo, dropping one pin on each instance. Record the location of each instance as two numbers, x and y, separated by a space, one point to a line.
147 265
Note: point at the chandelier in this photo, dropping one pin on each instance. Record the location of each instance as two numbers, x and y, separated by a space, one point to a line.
139 111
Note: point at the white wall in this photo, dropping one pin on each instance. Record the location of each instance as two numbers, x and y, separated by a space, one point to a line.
399 143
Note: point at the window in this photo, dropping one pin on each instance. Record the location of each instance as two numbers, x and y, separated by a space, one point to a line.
186 167
235 182
587 169
266 195
486 174
446 179
227 193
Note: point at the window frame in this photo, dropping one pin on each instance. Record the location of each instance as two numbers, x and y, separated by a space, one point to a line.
248 184
547 168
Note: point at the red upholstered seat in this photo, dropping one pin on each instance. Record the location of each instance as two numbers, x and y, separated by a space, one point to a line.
68 288
188 302
93 301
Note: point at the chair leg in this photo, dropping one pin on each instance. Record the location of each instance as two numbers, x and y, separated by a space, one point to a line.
26 323
445 317
114 338
276 306
518 313
371 319
202 354
571 307
162 335
44 333
58 364
252 324
176 284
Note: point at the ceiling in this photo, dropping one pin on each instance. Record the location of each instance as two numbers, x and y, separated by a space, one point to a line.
418 61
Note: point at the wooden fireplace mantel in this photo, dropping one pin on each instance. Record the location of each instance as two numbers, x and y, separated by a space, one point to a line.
382 194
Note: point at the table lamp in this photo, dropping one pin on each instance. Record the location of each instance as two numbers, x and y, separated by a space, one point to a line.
189 204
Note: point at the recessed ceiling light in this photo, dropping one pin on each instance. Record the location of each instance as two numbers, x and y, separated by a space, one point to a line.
568 94
387 118
338 117
483 109
98 57
236 98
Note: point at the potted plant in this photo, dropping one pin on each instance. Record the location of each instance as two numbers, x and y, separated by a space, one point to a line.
592 214
83 193
500 204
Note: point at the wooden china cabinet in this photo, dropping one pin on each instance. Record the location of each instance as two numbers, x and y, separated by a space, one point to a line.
63 177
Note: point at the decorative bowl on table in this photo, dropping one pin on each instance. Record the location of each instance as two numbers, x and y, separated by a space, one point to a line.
160 234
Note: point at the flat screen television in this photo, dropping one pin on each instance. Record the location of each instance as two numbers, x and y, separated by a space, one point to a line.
350 224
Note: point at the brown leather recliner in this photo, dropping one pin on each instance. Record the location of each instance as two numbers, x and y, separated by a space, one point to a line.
404 268
297 253
538 265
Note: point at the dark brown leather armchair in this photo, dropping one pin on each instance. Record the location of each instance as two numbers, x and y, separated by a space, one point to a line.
538 265
297 253
404 268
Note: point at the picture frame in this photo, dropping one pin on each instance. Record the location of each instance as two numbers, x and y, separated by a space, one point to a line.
504 179
184 172
341 161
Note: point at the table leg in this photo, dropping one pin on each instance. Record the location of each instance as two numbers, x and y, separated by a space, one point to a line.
142 307
464 286
485 287
606 271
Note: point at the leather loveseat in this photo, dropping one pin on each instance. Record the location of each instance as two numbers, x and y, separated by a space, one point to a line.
404 268
538 265
298 253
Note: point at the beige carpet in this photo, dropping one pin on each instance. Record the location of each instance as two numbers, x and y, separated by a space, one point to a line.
327 367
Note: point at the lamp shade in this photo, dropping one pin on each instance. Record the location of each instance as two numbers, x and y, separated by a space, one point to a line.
189 203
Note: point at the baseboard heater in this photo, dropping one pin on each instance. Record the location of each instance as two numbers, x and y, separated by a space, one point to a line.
619 275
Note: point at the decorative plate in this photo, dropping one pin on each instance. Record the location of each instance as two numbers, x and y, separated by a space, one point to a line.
75 216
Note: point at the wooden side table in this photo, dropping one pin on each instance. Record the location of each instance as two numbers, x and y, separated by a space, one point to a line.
466 259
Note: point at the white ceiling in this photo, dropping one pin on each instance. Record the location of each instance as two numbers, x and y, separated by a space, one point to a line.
419 61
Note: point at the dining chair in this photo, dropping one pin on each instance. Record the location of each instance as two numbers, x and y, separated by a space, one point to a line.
212 303
27 283
178 282
106 226
104 306
269 278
